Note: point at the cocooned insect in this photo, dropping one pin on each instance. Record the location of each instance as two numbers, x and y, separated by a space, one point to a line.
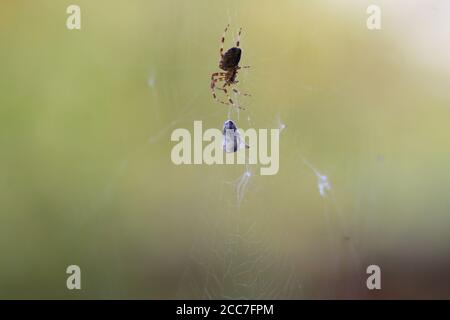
232 141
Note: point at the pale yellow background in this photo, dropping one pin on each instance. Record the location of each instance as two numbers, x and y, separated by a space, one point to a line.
86 176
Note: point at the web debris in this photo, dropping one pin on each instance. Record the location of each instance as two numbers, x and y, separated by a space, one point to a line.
280 124
341 227
323 184
241 186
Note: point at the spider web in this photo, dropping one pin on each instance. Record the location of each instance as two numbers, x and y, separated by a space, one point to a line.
238 263
335 222
230 258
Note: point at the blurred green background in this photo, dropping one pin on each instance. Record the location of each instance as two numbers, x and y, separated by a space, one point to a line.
86 176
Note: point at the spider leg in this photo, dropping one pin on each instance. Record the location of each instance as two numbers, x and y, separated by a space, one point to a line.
213 91
222 41
236 91
241 93
229 83
230 101
216 76
214 80
238 38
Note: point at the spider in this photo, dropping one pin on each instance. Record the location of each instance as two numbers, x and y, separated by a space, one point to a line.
229 62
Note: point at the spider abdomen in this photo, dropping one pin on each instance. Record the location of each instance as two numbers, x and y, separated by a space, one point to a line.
230 59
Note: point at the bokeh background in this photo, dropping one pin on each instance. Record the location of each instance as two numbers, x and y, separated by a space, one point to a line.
86 176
